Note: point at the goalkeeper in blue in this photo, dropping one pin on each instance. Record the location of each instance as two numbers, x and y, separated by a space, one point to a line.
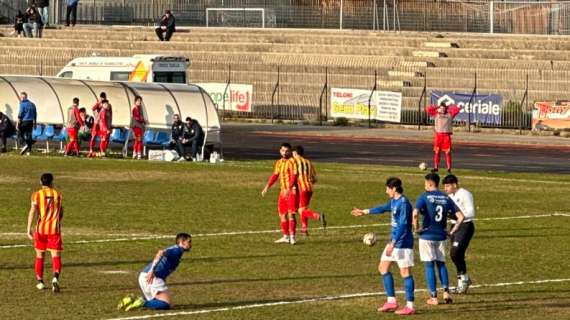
399 249
152 278
435 206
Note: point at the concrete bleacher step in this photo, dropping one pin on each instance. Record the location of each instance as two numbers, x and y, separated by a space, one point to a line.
404 74
429 54
393 83
440 44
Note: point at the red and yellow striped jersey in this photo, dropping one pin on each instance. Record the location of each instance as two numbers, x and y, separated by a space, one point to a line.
286 170
306 173
48 206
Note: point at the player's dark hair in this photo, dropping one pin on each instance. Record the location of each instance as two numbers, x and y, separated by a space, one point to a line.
286 145
442 104
82 110
103 95
300 150
104 101
76 100
396 183
46 179
450 179
137 98
183 236
433 177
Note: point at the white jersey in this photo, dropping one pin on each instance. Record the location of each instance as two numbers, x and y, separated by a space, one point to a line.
463 199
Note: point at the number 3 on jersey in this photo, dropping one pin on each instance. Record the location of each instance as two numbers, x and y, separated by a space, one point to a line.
438 213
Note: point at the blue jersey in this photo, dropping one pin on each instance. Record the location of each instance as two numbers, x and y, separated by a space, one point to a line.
435 206
401 210
168 262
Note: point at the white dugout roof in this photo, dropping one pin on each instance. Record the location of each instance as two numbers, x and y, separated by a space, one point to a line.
53 97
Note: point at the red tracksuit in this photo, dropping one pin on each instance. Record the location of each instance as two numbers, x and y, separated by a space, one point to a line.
95 129
138 126
105 127
443 129
74 122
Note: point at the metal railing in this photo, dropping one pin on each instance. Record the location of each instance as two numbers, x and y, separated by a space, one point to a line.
532 17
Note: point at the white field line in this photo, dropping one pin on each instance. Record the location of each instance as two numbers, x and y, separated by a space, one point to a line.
318 299
254 232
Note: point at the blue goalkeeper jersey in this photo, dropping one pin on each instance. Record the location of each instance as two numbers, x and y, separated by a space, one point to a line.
168 262
435 207
401 210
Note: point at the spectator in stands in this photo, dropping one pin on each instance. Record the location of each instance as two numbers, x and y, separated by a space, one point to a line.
6 130
71 10
166 26
33 26
74 122
194 135
177 134
19 24
27 117
43 10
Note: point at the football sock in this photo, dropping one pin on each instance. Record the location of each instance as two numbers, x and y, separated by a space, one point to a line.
388 284
39 267
304 220
448 160
285 227
56 265
292 226
436 159
310 214
430 278
409 288
443 276
156 304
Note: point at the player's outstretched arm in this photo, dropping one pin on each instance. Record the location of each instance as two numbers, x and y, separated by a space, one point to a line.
358 212
460 218
31 217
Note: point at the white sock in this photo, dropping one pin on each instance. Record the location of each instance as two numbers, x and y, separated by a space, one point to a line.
392 300
410 304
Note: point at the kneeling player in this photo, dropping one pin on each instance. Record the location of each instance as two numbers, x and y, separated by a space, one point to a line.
400 248
152 279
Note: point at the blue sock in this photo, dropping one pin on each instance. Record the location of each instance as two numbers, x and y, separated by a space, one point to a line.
430 278
409 288
156 304
443 276
389 284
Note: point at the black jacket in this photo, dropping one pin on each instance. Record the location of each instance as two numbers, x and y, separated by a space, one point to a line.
193 132
177 130
168 22
6 126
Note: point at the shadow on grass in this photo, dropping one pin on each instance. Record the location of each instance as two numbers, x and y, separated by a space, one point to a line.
292 278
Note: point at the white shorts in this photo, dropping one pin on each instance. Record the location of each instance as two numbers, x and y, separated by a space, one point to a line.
432 250
151 290
403 257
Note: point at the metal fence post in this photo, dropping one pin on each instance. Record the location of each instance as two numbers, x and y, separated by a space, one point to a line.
275 88
228 83
524 99
323 95
341 7
370 99
422 98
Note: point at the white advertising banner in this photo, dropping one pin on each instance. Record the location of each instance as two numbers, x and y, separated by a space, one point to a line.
353 104
238 97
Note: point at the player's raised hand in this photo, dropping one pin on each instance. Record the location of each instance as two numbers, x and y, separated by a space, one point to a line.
357 212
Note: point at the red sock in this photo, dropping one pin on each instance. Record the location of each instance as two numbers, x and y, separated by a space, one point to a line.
311 214
39 267
436 159
285 227
448 160
304 222
292 226
56 264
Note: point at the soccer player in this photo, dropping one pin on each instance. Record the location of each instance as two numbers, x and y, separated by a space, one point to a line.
95 129
138 125
47 208
443 129
285 171
74 122
400 247
463 199
152 280
306 177
105 126
435 206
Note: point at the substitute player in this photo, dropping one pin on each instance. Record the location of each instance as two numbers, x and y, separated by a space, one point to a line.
105 126
96 123
306 177
435 206
400 247
463 199
443 116
74 122
285 170
152 280
138 125
47 209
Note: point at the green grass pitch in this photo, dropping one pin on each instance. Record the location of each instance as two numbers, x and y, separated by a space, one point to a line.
112 199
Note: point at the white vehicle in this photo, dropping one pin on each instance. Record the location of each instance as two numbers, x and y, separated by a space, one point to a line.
138 68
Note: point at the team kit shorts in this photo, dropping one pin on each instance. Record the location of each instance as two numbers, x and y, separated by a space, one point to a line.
404 257
432 250
304 199
442 141
48 242
150 290
289 203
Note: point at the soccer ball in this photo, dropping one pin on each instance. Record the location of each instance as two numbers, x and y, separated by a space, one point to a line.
422 166
369 239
